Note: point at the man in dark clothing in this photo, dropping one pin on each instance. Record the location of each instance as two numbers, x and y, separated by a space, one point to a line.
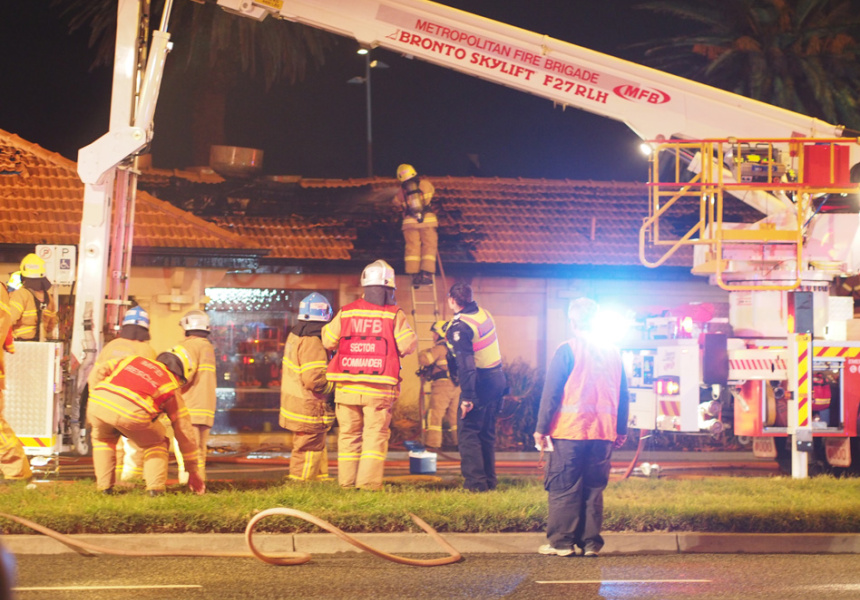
476 362
582 416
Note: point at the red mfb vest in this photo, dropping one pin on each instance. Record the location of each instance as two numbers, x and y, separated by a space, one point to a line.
589 407
367 350
144 382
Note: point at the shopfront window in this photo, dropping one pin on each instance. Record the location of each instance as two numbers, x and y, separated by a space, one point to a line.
249 329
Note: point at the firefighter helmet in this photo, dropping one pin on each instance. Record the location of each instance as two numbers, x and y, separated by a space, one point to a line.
136 316
405 173
32 266
195 320
378 272
314 307
439 328
14 281
177 362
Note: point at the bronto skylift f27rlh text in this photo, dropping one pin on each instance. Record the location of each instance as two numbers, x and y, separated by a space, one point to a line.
707 144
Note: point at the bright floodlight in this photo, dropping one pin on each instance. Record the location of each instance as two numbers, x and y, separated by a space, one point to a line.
610 325
646 148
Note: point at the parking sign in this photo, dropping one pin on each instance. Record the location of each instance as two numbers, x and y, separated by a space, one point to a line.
59 262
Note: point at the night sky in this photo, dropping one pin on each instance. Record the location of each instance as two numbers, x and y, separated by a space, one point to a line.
422 114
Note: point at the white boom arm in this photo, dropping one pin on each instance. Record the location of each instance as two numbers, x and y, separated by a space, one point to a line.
133 100
652 103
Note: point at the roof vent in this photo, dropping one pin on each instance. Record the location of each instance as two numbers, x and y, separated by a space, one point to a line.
233 161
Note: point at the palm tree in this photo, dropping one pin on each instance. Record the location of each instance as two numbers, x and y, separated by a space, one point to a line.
215 48
803 55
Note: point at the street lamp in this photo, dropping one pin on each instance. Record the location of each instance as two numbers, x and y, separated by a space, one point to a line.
368 65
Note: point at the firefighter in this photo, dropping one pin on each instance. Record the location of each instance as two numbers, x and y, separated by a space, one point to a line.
476 364
13 460
443 393
414 199
133 340
33 314
370 336
307 408
131 395
199 391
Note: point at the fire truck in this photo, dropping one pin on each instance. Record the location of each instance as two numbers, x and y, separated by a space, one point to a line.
770 359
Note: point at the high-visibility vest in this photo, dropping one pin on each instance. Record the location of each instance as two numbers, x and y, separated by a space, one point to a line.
367 348
146 383
485 343
589 406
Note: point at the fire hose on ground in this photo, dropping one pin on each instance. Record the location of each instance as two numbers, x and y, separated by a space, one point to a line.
284 559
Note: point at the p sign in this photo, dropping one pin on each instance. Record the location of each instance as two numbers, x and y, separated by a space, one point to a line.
59 263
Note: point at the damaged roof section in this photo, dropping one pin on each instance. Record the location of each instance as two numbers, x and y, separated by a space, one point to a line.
484 221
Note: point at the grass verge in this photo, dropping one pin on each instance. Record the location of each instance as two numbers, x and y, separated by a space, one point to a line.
719 504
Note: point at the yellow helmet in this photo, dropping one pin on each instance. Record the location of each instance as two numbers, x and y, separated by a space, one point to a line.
405 172
439 328
32 266
178 362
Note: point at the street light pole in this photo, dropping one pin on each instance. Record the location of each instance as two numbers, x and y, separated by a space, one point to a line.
368 65
369 127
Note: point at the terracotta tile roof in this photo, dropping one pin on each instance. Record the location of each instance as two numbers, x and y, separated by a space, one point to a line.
41 200
481 220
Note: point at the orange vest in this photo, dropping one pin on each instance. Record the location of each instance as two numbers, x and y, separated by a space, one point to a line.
589 407
141 381
367 349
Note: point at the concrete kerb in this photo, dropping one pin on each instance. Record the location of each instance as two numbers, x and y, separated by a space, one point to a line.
466 543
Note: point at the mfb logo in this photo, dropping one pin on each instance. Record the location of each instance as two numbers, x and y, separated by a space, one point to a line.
635 93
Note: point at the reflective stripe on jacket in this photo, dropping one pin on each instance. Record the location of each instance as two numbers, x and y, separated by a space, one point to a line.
116 349
589 407
199 391
367 343
143 382
485 343
25 315
304 386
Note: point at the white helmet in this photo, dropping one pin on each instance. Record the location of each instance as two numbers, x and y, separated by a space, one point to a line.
195 320
378 273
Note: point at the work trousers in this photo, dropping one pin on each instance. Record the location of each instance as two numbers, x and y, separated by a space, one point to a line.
442 410
150 437
13 460
421 246
201 438
362 443
577 472
309 457
477 432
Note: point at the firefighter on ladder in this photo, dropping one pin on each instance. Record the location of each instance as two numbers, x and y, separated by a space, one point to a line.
444 395
370 336
306 395
13 460
202 381
34 316
414 200
133 340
